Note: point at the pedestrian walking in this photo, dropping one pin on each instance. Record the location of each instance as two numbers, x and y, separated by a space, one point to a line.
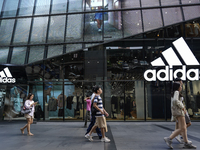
87 116
93 119
178 113
29 104
100 118
179 138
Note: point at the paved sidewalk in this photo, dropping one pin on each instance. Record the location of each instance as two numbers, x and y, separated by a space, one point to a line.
70 136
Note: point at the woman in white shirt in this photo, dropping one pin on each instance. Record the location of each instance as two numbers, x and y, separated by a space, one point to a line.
29 103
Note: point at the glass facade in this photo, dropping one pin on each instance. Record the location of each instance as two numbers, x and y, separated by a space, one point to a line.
65 47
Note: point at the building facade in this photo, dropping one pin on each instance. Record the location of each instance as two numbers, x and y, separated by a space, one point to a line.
59 49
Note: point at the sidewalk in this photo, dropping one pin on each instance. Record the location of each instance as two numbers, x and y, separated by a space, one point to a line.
70 136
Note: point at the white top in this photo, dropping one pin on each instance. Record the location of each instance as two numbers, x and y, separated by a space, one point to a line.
28 105
92 96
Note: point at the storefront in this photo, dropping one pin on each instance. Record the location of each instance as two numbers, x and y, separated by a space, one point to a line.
60 84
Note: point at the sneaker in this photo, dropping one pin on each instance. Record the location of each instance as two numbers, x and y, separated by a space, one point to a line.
99 30
89 137
105 139
189 145
190 142
178 138
168 142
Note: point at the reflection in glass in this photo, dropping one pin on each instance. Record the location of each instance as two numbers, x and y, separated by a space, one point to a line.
22 28
36 53
189 1
56 29
170 2
91 29
42 7
1 3
132 23
112 25
169 12
54 50
74 28
75 6
10 8
26 7
191 12
152 19
39 30
18 55
59 6
146 3
73 47
3 55
130 4
6 29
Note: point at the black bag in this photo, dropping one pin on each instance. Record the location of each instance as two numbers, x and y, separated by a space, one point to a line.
93 110
25 110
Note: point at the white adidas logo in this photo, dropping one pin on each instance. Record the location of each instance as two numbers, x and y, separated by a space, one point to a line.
173 60
6 77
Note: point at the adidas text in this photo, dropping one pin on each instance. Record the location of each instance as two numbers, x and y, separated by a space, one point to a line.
169 74
7 80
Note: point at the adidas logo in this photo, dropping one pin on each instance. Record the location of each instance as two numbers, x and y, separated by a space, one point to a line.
172 60
6 77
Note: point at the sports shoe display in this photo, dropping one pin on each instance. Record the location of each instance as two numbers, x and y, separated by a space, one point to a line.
168 142
105 139
189 145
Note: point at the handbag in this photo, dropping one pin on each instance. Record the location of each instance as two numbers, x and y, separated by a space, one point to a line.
25 110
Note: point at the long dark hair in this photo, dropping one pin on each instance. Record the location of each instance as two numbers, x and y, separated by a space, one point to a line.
176 86
29 95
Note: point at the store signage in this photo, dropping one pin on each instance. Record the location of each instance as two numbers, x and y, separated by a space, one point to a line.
172 59
6 77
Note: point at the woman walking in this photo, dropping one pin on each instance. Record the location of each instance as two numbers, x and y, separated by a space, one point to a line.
178 113
29 104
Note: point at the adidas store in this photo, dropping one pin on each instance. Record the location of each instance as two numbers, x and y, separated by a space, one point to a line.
136 82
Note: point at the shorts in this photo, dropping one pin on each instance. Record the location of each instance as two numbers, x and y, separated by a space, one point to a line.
101 123
187 118
28 116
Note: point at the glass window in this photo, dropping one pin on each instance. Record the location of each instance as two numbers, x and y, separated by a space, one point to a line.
191 12
18 55
146 3
73 47
132 25
56 30
169 12
39 30
42 7
1 3
6 30
3 55
59 6
74 28
170 2
112 25
130 4
189 1
91 28
26 7
152 19
54 50
36 53
75 6
10 8
22 28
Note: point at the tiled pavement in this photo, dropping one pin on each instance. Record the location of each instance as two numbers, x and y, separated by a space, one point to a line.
70 136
